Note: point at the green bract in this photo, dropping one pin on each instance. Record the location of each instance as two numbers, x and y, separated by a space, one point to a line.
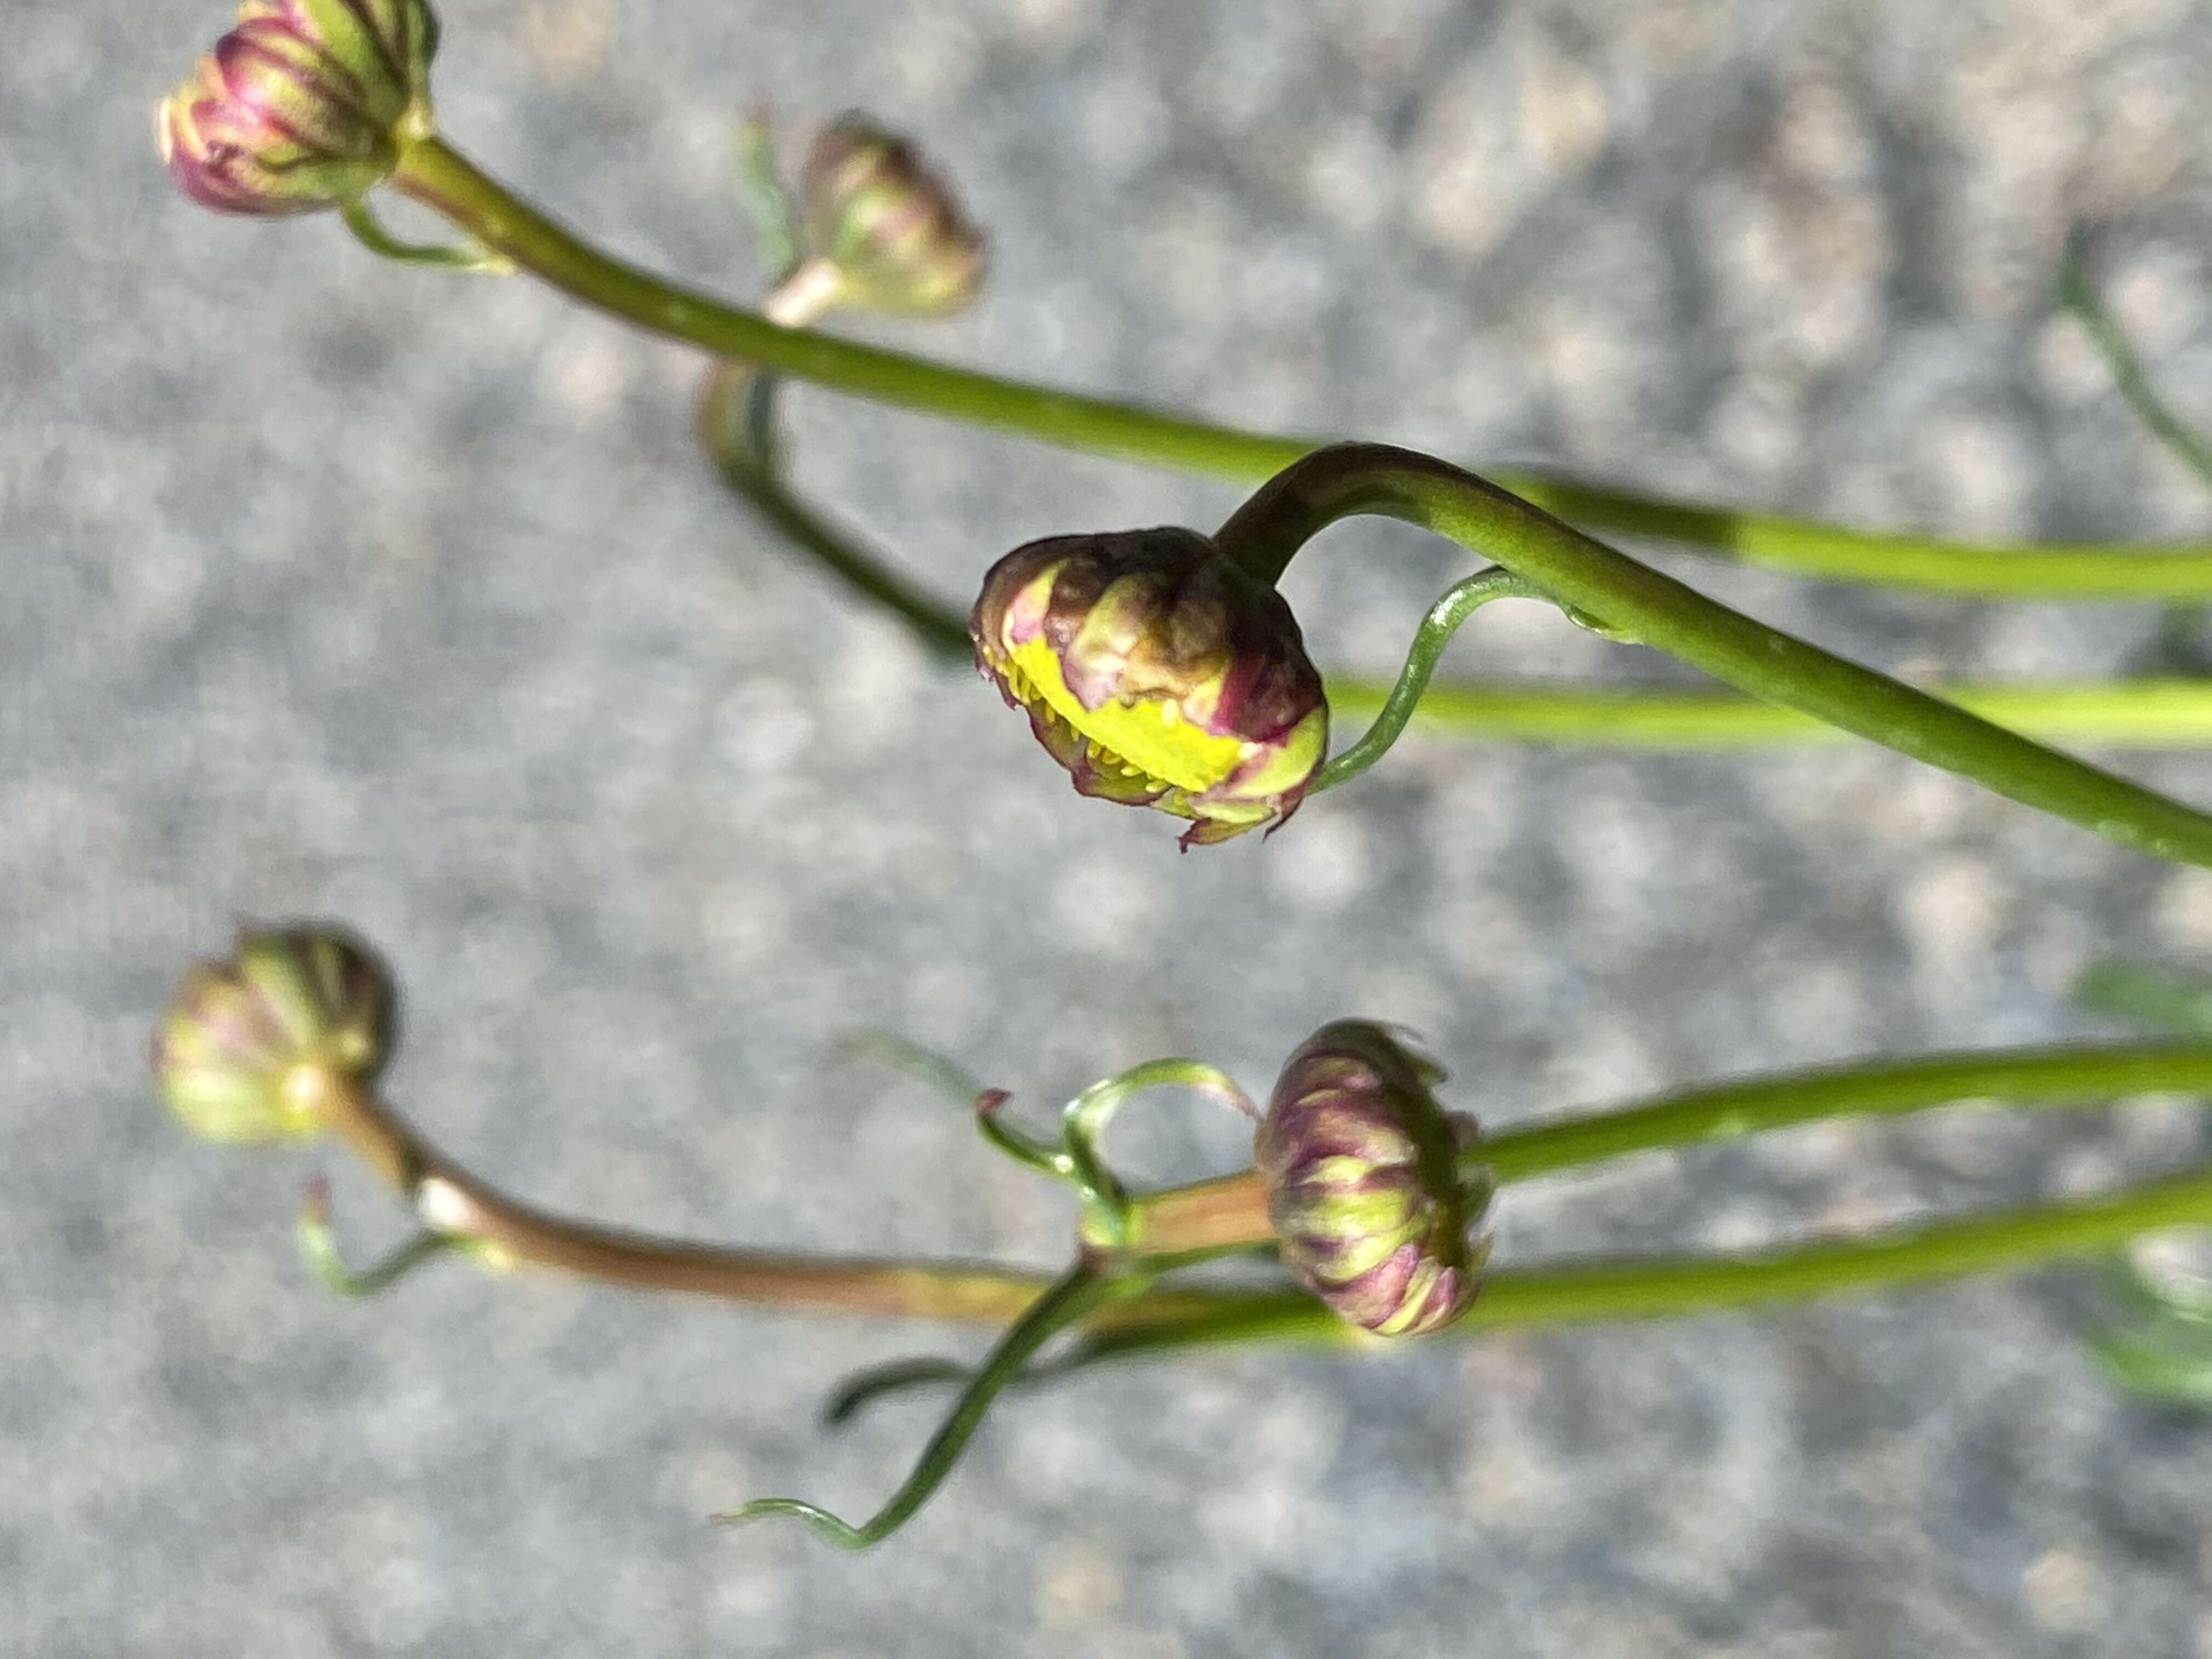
239 1029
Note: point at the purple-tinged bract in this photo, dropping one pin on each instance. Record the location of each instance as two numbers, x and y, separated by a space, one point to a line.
301 105
1371 1208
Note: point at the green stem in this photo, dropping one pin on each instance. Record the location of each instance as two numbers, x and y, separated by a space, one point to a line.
1587 575
1610 1289
1074 1294
2155 713
1733 1111
1460 601
735 416
433 172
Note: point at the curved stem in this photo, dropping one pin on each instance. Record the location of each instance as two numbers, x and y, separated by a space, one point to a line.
1267 531
1460 601
2172 713
449 1201
1074 1294
432 172
735 416
370 233
318 1249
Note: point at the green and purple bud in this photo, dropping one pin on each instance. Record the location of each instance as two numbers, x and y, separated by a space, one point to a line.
301 105
1370 1207
239 1031
1160 674
887 226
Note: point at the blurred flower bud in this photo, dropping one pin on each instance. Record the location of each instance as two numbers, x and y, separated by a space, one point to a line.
239 1029
300 106
1365 1189
1158 673
886 224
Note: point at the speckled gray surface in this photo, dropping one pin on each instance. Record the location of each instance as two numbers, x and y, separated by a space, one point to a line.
333 588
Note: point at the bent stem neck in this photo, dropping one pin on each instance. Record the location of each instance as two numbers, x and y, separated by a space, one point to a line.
1635 602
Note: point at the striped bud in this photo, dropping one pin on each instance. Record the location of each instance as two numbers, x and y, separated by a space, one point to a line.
300 106
1158 673
1370 1208
886 224
239 1029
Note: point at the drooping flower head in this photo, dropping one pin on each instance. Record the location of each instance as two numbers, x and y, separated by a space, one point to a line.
885 224
1371 1210
1158 673
300 107
238 1029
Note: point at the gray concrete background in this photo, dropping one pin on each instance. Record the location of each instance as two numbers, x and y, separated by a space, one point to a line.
331 588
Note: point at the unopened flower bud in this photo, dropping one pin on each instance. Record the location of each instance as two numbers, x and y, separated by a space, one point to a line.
888 227
1158 673
300 106
240 1029
1369 1204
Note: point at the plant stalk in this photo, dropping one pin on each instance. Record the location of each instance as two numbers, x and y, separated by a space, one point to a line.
432 172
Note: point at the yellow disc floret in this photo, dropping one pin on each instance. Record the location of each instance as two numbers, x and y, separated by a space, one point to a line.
1148 737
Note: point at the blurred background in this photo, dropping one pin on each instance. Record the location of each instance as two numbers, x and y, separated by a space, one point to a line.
334 589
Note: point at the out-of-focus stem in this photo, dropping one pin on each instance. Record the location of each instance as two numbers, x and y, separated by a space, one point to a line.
433 172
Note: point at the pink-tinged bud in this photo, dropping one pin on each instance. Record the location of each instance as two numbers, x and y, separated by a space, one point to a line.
886 224
1158 673
239 1029
300 107
1370 1205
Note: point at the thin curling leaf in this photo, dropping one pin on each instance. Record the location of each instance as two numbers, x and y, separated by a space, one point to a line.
2160 1345
237 1030
1158 674
1074 1294
1372 1211
885 224
300 107
2160 1001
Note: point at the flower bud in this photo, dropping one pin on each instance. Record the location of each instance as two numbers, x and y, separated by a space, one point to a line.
886 224
300 106
239 1029
1158 673
1365 1189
